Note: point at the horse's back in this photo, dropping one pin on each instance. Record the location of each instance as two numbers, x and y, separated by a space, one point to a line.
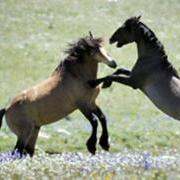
43 103
50 100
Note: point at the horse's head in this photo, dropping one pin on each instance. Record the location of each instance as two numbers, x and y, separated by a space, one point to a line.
90 49
100 55
97 52
126 33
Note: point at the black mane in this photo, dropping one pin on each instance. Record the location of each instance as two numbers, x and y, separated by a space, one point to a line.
150 37
147 34
77 50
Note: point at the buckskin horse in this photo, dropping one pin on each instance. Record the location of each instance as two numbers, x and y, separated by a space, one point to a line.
152 73
65 91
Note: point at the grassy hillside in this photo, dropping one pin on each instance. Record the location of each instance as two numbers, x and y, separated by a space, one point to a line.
33 36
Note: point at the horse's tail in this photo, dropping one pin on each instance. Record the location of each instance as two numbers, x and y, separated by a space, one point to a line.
2 112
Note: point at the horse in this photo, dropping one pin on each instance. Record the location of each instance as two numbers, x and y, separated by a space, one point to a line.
152 73
65 91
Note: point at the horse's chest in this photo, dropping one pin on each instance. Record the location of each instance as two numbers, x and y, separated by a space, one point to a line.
93 93
166 96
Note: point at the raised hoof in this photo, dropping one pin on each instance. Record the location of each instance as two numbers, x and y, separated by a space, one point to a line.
119 71
106 84
92 151
92 83
91 147
106 148
104 145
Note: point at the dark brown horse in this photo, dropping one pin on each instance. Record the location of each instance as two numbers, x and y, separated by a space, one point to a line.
65 91
153 74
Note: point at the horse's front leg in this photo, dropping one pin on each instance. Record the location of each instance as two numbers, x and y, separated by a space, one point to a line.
96 82
104 136
105 81
126 80
123 71
91 142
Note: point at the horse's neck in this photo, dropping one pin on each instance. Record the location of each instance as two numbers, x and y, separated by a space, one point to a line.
83 70
88 70
145 49
148 61
79 70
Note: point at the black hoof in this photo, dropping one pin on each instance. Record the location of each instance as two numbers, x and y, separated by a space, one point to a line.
119 71
91 147
104 144
92 83
92 150
106 148
106 84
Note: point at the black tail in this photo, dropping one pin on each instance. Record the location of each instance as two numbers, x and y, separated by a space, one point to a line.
2 112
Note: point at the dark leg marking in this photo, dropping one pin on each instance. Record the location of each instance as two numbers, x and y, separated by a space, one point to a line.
91 142
32 141
104 136
19 147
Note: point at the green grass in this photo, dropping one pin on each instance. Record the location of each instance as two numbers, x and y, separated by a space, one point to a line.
33 36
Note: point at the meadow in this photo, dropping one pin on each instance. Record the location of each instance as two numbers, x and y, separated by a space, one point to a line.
33 37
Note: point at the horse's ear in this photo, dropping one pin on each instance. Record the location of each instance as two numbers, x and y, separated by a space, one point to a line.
138 17
90 34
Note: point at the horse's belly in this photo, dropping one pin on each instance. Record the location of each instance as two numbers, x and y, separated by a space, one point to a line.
165 98
54 111
54 117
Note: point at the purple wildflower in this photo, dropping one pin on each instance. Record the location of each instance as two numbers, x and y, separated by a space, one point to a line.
10 156
147 160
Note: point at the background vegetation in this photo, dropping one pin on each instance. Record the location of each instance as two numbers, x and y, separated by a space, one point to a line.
33 37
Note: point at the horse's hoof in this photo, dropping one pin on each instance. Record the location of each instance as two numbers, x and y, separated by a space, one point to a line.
92 83
104 145
106 148
119 71
92 151
106 84
91 147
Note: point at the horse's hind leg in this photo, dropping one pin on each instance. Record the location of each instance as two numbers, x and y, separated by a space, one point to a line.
22 137
32 141
104 137
19 146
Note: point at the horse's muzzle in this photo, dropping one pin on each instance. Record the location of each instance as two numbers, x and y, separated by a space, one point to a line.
112 40
112 64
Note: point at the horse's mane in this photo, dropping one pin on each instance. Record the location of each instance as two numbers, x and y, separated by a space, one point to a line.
77 50
150 37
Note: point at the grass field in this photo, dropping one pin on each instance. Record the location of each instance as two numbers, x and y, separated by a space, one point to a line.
33 37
